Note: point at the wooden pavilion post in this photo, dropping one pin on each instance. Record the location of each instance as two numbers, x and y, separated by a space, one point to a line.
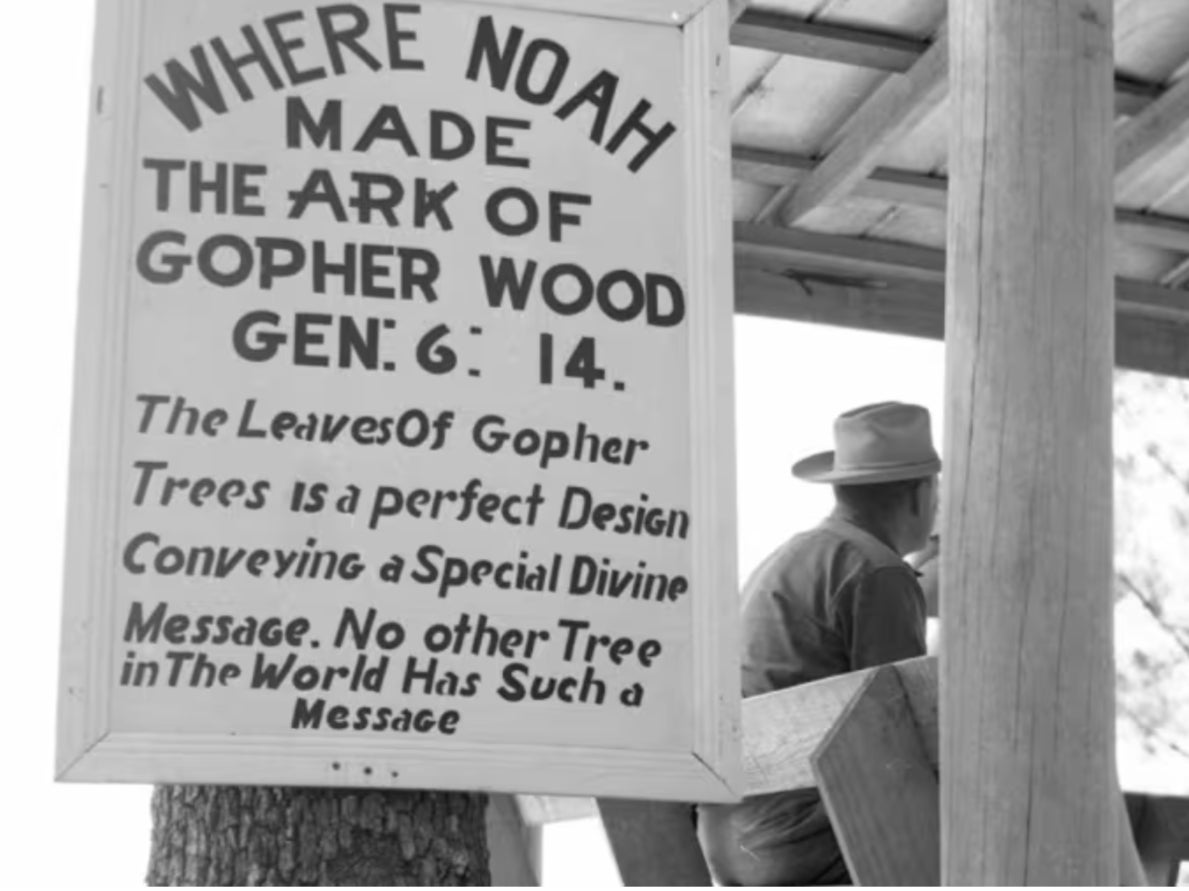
1028 790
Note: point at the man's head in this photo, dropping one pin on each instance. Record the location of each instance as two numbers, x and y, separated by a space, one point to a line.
884 468
905 509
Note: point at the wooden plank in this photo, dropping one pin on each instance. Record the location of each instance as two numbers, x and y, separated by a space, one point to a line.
1161 827
880 788
1167 818
866 48
1176 276
1132 96
674 13
514 846
1154 229
916 309
923 190
655 843
781 730
1027 735
891 112
1160 822
869 260
1145 140
1148 299
841 254
537 810
775 33
912 310
884 184
1131 869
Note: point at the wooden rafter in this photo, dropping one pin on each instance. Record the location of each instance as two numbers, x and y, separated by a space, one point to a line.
1154 229
771 284
865 48
890 113
1160 123
845 256
922 190
917 309
1177 276
839 255
782 169
776 33
1145 140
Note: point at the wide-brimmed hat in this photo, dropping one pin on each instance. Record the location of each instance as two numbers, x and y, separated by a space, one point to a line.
879 443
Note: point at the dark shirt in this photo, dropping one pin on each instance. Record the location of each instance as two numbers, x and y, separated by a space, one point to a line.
828 601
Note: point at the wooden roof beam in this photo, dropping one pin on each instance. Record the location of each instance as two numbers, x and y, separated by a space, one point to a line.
890 113
1145 140
870 261
904 99
917 309
775 33
844 256
922 190
772 32
883 184
1177 276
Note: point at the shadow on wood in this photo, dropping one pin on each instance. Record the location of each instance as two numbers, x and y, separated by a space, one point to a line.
654 843
1161 826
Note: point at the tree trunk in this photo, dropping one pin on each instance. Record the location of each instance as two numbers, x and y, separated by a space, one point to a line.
232 835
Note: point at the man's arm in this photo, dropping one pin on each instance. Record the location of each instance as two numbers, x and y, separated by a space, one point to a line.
882 616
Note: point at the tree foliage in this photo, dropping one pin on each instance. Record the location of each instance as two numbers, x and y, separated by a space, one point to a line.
1152 568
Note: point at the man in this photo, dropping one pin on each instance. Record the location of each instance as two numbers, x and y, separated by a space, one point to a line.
837 598
927 564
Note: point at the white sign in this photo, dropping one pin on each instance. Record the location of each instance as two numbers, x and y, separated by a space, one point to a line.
403 426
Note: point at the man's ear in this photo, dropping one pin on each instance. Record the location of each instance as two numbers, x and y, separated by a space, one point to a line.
916 499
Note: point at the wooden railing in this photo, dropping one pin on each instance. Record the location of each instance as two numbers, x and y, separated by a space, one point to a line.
869 742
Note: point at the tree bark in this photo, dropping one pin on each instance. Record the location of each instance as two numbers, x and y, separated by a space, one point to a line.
231 835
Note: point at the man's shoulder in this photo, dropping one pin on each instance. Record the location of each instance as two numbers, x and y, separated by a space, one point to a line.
862 546
842 548
792 552
839 539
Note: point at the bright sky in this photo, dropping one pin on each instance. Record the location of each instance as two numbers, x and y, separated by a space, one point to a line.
791 382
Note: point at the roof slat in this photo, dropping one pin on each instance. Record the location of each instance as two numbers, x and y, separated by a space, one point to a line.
788 35
888 114
1148 138
833 43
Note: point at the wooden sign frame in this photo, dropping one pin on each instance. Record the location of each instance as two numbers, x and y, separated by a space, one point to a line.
91 750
